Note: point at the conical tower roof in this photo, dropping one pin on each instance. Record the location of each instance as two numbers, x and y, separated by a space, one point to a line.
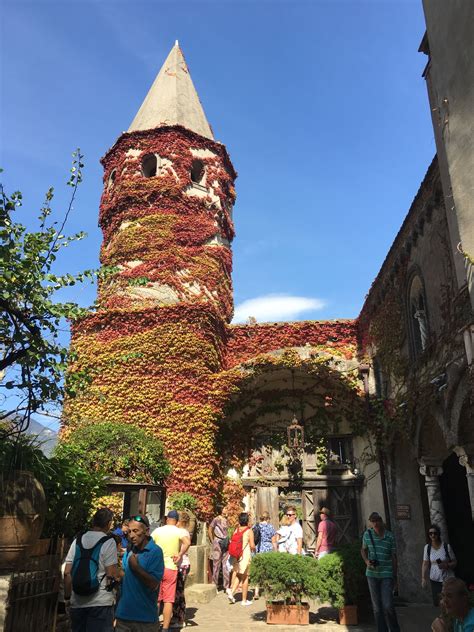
172 99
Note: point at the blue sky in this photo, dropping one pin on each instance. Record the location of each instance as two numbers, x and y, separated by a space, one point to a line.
321 105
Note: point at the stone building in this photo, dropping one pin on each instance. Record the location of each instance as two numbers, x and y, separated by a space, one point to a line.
416 325
361 415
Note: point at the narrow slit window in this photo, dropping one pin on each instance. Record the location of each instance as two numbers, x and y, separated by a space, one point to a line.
111 181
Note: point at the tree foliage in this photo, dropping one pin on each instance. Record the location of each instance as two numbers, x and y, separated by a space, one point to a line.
32 357
182 501
116 449
70 489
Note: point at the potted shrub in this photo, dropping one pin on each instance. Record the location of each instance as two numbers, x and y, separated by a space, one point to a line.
341 581
286 580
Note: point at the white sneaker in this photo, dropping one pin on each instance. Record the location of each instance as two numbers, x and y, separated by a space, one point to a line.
230 596
246 603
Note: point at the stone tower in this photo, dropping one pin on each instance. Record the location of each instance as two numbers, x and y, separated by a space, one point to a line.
156 343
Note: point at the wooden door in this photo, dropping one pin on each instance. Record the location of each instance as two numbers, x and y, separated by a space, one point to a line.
309 518
267 500
342 502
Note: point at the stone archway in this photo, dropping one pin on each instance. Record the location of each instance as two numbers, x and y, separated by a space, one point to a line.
326 399
457 485
457 506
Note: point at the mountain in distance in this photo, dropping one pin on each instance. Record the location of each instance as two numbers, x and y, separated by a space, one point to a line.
46 437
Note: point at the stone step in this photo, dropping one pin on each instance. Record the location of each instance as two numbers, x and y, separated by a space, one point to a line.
200 593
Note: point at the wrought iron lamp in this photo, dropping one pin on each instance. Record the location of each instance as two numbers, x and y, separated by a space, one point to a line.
295 436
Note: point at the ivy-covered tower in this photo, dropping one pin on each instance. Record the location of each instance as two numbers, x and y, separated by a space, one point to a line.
156 342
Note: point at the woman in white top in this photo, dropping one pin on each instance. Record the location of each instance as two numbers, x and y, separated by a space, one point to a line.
439 558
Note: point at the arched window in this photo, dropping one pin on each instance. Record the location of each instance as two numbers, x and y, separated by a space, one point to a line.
111 180
381 385
418 320
150 165
197 171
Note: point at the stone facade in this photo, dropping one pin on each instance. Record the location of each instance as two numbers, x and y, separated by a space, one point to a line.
424 294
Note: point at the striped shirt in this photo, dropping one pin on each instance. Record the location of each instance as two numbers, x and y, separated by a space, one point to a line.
380 549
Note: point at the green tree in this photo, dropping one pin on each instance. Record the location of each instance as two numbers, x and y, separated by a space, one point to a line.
116 449
32 356
70 489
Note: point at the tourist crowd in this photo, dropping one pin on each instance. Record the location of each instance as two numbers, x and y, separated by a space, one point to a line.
123 579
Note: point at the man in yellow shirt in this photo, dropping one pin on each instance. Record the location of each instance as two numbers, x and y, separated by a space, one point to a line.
174 543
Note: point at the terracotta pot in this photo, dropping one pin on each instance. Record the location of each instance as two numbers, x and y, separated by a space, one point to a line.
348 615
281 614
22 514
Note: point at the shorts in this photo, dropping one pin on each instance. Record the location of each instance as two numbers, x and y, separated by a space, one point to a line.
168 586
93 618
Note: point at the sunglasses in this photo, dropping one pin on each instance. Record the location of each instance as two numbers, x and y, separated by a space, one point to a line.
290 514
141 519
432 533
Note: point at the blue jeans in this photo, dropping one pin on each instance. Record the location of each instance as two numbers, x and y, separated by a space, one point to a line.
381 594
93 619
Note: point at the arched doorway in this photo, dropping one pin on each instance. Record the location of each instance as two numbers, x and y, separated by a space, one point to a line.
457 507
327 401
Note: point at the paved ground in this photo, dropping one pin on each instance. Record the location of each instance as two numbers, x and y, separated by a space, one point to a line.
220 615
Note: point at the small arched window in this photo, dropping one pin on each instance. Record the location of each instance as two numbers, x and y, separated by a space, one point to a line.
111 180
151 165
418 320
197 172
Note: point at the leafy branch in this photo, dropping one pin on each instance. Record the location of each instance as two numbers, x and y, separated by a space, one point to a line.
32 358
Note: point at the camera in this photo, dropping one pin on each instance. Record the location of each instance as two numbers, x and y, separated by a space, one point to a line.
111 584
374 563
438 561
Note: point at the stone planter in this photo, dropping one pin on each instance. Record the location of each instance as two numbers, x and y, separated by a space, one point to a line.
348 615
281 614
22 514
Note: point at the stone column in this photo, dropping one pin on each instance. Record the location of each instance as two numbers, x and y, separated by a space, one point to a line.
467 461
435 503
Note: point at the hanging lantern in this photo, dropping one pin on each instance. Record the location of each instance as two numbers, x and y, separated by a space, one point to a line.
295 436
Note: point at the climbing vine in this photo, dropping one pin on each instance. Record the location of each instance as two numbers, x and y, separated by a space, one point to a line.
159 352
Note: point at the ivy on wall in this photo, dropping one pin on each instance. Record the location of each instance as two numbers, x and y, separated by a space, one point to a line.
159 352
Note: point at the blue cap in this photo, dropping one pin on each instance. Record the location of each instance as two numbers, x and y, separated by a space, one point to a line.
173 514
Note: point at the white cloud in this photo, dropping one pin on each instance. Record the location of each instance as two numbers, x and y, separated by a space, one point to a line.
275 307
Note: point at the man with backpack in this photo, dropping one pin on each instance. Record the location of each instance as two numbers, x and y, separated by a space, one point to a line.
92 558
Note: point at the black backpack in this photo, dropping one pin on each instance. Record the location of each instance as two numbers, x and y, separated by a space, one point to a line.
85 567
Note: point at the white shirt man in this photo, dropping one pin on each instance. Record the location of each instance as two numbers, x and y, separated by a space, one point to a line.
295 538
